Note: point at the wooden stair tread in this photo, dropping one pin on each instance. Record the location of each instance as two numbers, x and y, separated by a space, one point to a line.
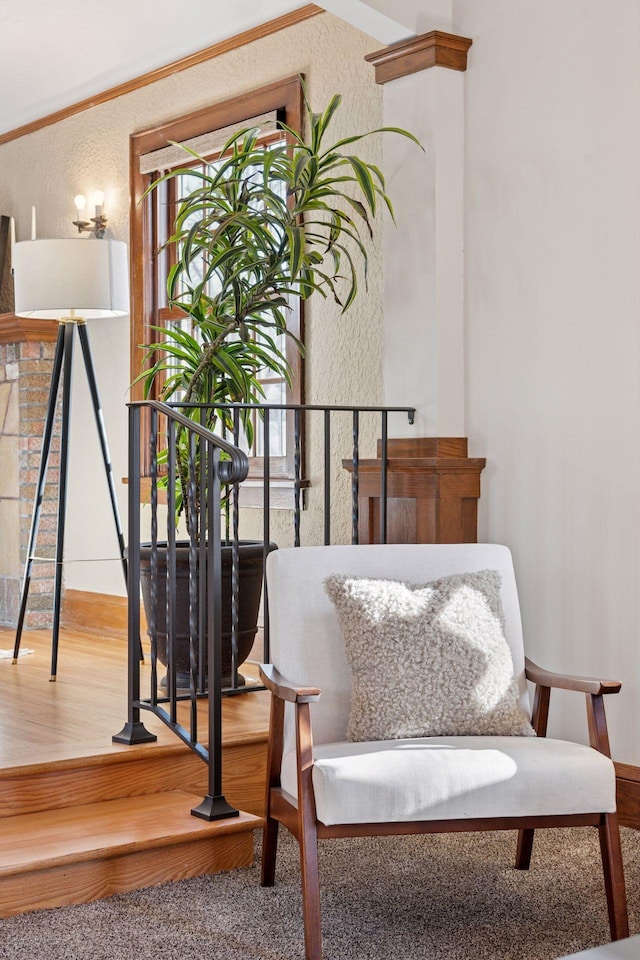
245 720
111 828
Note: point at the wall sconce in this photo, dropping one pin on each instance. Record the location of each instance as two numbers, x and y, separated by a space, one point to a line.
98 223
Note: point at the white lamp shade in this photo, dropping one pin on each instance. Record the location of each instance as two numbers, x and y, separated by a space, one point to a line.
53 277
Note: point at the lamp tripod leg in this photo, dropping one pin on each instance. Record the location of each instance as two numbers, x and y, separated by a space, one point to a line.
104 446
102 433
62 491
63 364
42 474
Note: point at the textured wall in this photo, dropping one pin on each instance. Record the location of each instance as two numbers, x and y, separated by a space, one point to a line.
90 151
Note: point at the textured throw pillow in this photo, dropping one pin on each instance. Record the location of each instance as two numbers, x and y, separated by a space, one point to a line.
428 660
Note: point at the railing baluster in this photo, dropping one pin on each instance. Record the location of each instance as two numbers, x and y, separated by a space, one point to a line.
214 806
355 478
327 477
153 586
235 562
133 730
266 451
202 564
296 482
227 530
192 514
214 621
171 569
383 479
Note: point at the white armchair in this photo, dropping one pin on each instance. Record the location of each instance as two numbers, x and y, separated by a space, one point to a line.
323 784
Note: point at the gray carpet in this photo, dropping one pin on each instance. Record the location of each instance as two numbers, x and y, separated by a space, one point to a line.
441 898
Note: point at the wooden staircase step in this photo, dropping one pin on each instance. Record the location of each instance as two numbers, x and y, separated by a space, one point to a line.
76 854
73 782
132 771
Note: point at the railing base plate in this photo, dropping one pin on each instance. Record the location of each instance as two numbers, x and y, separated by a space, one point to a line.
214 808
134 733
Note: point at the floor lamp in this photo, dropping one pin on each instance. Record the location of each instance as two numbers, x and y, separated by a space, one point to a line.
70 281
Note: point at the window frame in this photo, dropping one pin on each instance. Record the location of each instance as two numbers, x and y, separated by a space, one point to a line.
286 98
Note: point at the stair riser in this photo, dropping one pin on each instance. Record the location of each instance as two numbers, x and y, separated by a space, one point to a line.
60 786
92 880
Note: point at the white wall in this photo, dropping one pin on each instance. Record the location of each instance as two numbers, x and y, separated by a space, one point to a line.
423 362
552 254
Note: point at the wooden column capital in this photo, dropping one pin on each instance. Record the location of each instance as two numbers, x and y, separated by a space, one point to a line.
433 49
433 489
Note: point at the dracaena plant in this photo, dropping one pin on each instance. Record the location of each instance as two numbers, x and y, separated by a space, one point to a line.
265 224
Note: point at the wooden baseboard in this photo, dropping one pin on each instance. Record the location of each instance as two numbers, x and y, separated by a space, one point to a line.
628 792
97 613
105 615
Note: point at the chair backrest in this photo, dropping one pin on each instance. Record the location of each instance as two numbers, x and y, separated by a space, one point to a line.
305 637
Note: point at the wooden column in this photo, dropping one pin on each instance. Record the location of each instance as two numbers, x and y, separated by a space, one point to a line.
432 487
423 82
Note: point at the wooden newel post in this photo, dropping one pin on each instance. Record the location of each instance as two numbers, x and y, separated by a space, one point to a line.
433 489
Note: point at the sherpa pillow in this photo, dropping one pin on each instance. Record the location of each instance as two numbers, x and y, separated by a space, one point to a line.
428 660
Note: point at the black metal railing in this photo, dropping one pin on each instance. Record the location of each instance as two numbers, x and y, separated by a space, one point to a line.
204 471
198 470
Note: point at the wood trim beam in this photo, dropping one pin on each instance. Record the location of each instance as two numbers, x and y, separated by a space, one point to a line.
433 49
209 53
25 329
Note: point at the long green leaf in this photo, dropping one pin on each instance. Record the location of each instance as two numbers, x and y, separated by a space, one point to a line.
253 234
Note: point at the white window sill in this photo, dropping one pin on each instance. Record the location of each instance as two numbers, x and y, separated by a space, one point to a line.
281 495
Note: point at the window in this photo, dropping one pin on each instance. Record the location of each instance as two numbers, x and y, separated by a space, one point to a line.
151 223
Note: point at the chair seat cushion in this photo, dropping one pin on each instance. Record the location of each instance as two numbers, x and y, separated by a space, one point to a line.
455 778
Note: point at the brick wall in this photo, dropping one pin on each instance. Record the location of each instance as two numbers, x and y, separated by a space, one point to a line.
25 377
9 482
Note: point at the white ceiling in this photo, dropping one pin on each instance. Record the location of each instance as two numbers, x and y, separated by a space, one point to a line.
54 53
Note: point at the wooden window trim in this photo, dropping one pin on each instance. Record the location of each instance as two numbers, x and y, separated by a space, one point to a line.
285 94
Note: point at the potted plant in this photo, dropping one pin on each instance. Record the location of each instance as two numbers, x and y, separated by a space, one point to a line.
264 225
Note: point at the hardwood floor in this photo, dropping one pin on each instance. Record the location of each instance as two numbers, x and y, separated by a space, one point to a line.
76 716
82 817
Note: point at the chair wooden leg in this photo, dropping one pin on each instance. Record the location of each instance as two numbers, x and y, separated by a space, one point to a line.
308 836
269 851
525 846
614 876
310 893
274 764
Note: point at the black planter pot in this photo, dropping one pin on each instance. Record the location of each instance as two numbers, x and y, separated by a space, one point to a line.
251 568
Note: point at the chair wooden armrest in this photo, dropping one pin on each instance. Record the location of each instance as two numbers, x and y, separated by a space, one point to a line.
591 686
284 689
561 681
